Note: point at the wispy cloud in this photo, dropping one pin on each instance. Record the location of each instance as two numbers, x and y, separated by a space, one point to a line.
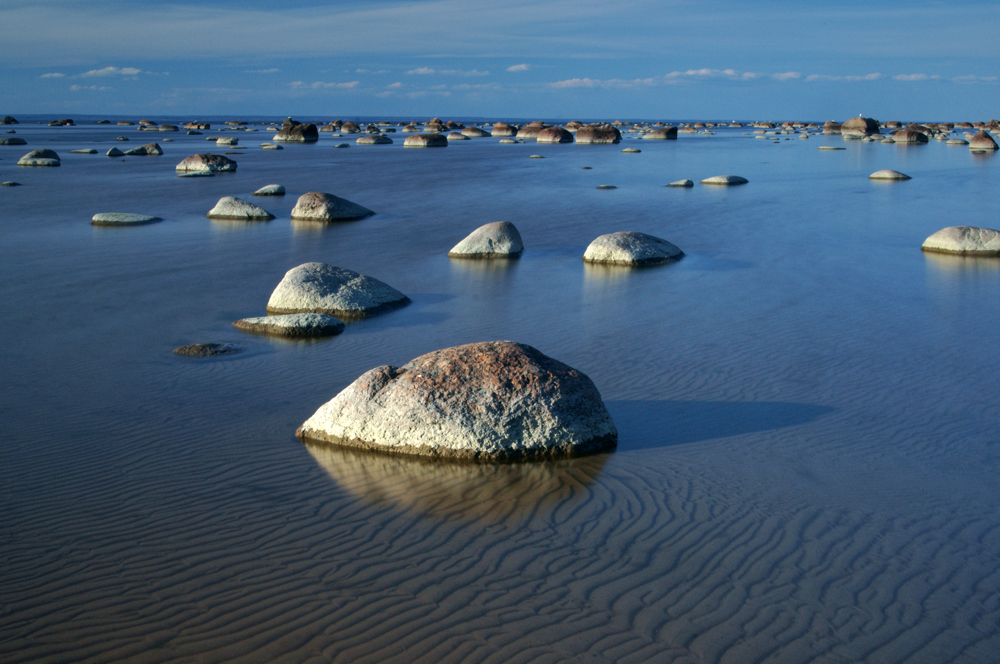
787 76
272 70
82 88
319 85
394 86
53 75
975 79
823 77
425 71
113 71
916 77
372 71
517 68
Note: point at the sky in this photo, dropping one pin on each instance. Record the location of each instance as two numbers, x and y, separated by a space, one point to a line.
581 59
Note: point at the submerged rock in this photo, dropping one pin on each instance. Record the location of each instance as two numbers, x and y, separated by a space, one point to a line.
292 325
326 289
964 240
489 401
230 207
84 151
631 248
725 180
318 206
888 174
121 219
208 350
498 239
42 157
216 163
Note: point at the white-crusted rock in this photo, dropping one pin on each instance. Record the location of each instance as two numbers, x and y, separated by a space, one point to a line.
964 240
207 162
326 289
725 180
318 206
230 207
270 190
292 325
631 248
498 239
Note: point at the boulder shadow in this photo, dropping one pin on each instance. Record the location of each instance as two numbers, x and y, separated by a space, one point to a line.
655 424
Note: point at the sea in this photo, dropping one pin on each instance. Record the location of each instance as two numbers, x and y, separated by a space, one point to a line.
808 456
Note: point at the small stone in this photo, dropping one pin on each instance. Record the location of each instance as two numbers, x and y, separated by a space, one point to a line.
318 206
230 207
10 184
292 325
535 156
498 239
888 174
210 162
725 180
87 151
147 150
342 145
964 240
606 186
270 190
121 219
122 138
508 141
631 150
13 140
208 350
682 183
631 248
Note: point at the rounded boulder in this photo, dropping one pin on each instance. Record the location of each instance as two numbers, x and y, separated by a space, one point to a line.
498 239
631 248
326 289
964 240
215 163
425 141
230 207
318 206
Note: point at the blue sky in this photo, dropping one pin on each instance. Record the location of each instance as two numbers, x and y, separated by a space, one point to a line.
586 59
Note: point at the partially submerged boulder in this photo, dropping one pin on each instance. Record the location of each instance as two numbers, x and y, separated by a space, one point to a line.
475 132
326 289
631 248
12 140
982 141
859 128
964 240
498 239
42 157
888 174
425 141
665 134
121 219
147 150
681 183
292 325
270 190
725 180
502 129
554 135
208 350
531 130
318 206
598 135
374 139
216 163
230 207
294 132
909 137
490 401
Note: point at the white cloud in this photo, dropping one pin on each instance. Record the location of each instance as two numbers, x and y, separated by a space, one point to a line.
424 71
320 85
576 83
82 88
823 77
608 83
53 75
114 71
521 67
915 77
372 71
272 70
393 86
787 76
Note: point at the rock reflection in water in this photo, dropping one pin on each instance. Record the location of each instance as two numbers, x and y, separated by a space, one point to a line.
495 492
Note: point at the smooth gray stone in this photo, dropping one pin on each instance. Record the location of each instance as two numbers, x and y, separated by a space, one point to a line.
318 206
121 219
326 289
270 190
964 240
681 183
147 150
498 239
888 174
496 400
725 180
631 248
292 325
42 157
207 162
115 152
230 207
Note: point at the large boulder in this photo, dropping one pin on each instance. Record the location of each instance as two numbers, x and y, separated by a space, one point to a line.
665 134
12 140
501 129
230 207
216 163
295 132
909 137
292 325
326 289
495 400
531 130
498 239
631 248
964 240
831 127
350 128
725 180
982 141
598 135
475 132
554 135
318 206
374 139
147 150
42 157
859 128
426 141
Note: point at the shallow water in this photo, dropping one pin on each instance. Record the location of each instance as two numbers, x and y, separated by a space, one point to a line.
808 455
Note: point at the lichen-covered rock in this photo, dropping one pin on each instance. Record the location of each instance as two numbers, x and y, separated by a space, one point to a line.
725 180
664 134
964 240
42 157
631 248
216 163
147 150
326 289
598 135
292 325
230 207
121 219
489 401
888 174
270 190
318 206
498 239
425 141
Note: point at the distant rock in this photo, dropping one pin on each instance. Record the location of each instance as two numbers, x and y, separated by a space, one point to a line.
114 152
350 128
831 147
495 400
12 140
147 150
121 219
888 174
425 141
84 151
606 186
271 146
270 190
631 248
216 163
531 130
859 128
508 140
208 350
456 136
169 127
294 132
909 137
498 239
957 141
982 141
292 325
122 138
475 132
631 150
554 135
725 180
8 120
65 122
501 129
374 139
196 174
831 127
681 183
598 135
964 240
664 134
230 207
42 157
326 289
342 145
318 206
227 140
10 183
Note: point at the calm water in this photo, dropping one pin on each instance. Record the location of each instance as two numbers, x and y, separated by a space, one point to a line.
807 407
